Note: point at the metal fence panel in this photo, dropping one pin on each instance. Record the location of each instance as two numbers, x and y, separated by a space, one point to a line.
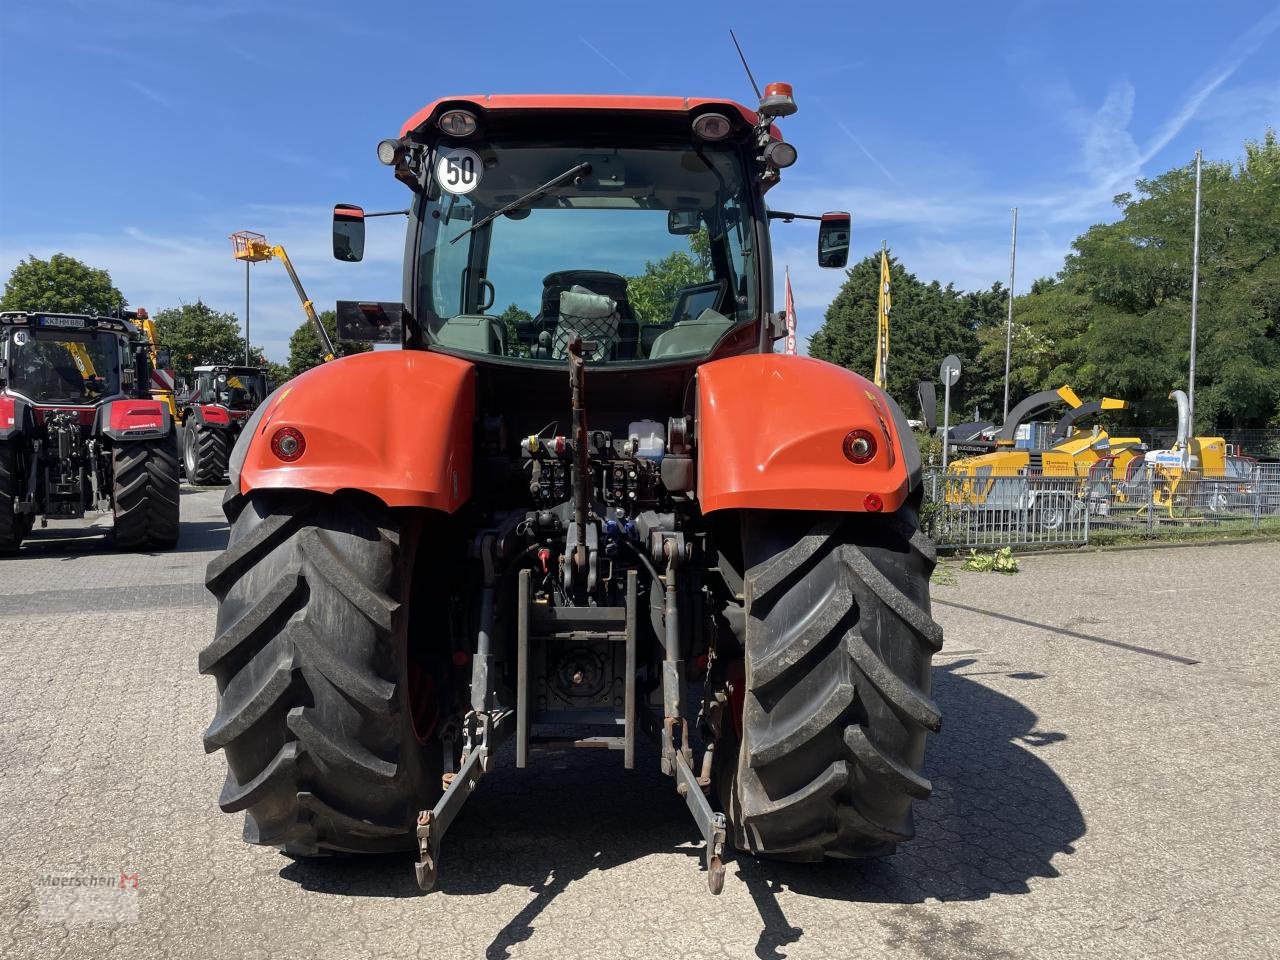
1004 511
987 512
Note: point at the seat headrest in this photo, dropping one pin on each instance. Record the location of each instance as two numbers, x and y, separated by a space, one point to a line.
578 301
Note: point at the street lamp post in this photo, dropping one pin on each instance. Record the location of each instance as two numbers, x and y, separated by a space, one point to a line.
246 313
1008 330
1195 292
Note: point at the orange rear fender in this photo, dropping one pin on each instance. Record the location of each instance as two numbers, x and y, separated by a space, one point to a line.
393 423
771 435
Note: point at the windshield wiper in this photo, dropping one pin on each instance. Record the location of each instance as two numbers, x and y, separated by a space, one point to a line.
581 170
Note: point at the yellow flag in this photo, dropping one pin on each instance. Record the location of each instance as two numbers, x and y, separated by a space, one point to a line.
882 324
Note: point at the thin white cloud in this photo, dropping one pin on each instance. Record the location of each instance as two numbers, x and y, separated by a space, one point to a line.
596 50
1245 47
246 55
149 92
858 143
1113 158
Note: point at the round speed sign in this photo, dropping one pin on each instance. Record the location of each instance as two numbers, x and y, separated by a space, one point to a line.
949 372
458 170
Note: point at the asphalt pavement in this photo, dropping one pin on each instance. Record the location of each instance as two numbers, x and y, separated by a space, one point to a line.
1104 786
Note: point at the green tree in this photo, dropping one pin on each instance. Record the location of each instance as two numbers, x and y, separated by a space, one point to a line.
653 294
1117 320
511 317
60 284
928 322
197 334
305 351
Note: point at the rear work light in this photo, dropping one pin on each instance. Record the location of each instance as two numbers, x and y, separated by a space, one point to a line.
860 446
712 126
390 151
288 444
457 123
779 154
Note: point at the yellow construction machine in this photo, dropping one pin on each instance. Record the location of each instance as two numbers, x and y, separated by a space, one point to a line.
253 248
162 376
1069 454
1171 480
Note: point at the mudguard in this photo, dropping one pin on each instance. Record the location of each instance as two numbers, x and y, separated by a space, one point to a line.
771 430
15 417
211 415
133 419
394 423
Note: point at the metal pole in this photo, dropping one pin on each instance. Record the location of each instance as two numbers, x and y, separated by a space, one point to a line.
1008 332
946 419
246 312
1195 290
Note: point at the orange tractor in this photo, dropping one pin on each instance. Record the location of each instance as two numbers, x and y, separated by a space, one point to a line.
584 494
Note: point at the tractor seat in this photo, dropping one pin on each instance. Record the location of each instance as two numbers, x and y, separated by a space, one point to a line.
592 316
688 337
627 336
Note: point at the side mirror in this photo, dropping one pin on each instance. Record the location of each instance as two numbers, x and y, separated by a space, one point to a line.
682 223
348 233
833 239
164 361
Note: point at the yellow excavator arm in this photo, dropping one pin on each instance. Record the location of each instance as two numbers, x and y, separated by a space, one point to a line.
254 248
163 394
84 362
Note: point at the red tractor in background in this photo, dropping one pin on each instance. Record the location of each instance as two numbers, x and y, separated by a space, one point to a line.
211 413
575 499
78 428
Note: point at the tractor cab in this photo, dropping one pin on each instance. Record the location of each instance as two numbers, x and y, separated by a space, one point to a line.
236 388
52 360
211 413
640 227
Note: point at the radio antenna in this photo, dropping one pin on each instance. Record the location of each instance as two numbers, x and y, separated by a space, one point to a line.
743 58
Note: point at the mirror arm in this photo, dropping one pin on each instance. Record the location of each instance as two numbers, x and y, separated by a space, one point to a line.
391 213
786 217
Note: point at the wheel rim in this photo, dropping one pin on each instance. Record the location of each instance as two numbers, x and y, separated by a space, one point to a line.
189 454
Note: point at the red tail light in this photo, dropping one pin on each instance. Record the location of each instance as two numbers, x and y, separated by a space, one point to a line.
860 446
288 444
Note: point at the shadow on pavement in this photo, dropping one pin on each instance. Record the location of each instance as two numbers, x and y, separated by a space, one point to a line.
67 542
196 536
998 817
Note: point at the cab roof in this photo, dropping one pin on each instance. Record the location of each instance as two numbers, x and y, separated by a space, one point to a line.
50 318
612 102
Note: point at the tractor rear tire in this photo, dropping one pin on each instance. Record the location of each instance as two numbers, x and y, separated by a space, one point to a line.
838 646
12 527
205 453
313 671
145 492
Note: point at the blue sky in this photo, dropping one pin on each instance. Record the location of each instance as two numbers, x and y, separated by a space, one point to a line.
137 134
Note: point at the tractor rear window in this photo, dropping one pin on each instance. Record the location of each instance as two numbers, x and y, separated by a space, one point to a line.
54 366
647 254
